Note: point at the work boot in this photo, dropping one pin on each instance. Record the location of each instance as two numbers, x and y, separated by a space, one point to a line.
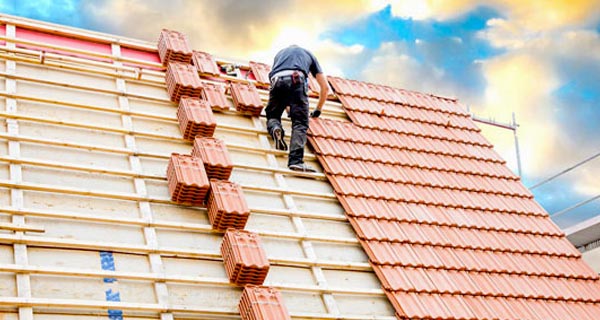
277 136
302 167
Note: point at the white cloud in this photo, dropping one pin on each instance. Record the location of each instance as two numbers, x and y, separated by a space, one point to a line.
533 14
392 66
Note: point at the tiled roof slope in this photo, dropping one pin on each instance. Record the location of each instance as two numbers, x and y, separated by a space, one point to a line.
450 231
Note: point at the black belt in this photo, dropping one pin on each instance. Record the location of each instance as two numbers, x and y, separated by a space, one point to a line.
293 74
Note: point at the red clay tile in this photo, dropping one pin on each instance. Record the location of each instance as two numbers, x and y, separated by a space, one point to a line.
244 257
423 189
260 72
182 80
195 118
205 64
367 207
408 305
259 302
188 183
341 86
215 95
436 308
360 89
479 307
173 46
395 278
227 207
427 256
392 253
458 306
215 156
246 98
351 103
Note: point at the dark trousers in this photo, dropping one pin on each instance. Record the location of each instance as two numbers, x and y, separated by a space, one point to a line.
286 91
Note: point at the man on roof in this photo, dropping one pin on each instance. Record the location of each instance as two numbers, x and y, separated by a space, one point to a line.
289 87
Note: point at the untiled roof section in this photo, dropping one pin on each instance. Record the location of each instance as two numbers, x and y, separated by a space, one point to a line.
450 231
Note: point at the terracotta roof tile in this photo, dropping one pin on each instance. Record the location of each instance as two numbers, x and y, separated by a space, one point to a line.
244 257
450 230
246 98
173 46
214 94
215 156
182 80
258 302
260 72
205 63
195 118
188 183
227 207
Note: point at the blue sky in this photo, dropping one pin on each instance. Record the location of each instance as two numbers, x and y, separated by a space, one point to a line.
538 59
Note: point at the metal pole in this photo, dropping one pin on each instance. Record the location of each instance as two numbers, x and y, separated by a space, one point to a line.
515 125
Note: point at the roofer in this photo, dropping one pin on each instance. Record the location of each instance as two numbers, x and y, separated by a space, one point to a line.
289 87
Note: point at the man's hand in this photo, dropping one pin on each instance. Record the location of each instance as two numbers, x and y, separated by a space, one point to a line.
315 114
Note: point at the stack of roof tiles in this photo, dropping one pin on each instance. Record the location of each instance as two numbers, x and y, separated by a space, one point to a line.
195 118
188 182
215 95
450 231
182 80
261 73
262 303
188 175
245 259
213 153
246 98
227 206
205 63
173 46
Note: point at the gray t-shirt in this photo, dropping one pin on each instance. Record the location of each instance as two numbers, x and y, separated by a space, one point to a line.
295 58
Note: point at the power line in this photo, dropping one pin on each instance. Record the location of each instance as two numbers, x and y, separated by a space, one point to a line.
575 206
565 171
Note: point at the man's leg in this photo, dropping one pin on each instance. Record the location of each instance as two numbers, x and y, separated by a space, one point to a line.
274 109
299 115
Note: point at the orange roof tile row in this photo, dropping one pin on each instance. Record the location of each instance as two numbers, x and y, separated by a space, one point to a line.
182 80
408 112
424 177
453 258
205 63
419 129
246 98
392 138
361 207
188 182
431 280
215 156
393 95
459 237
450 231
451 306
408 158
173 46
244 257
369 188
195 118
391 141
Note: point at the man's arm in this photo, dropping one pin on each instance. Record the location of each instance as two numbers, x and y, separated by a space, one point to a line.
323 91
